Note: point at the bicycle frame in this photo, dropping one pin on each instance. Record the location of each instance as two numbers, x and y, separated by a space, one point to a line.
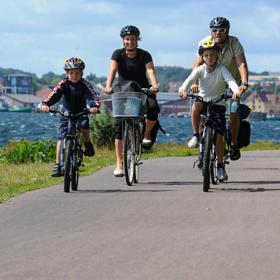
207 160
133 130
71 154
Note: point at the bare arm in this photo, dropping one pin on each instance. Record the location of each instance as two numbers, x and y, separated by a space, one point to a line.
152 76
114 66
197 62
243 70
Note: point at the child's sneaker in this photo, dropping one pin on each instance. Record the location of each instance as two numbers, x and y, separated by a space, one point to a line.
56 170
89 150
193 143
146 142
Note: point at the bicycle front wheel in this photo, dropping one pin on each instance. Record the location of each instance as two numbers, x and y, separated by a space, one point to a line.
213 163
206 159
129 153
67 165
75 168
139 147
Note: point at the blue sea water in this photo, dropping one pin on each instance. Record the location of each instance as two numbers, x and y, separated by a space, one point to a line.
35 126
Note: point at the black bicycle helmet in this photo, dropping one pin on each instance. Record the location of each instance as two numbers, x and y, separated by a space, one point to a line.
74 63
219 22
130 30
207 44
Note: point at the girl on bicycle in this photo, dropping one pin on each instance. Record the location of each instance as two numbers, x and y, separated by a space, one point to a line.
212 78
132 64
75 92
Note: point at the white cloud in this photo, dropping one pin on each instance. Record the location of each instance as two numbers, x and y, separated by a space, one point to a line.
38 35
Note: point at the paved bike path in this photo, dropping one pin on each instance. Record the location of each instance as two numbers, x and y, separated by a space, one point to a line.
163 228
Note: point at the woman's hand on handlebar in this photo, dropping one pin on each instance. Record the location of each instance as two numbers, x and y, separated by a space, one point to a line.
153 90
108 90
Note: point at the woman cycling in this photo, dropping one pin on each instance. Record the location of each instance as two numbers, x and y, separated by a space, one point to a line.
133 64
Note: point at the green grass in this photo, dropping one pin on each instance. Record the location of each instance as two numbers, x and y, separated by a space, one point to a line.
19 178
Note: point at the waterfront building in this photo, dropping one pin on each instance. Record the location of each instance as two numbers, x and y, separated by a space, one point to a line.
18 84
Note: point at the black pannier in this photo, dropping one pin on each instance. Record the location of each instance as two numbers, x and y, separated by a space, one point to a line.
244 134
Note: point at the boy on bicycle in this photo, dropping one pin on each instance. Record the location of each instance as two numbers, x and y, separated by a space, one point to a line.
76 94
213 79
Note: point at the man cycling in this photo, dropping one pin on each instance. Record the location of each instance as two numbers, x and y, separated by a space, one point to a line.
213 79
232 56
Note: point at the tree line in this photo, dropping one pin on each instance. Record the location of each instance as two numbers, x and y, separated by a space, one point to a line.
165 75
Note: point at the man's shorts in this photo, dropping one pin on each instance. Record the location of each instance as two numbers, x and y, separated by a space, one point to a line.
234 106
82 122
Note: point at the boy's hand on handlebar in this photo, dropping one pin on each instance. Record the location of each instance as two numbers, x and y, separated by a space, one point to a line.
183 93
45 108
94 110
194 88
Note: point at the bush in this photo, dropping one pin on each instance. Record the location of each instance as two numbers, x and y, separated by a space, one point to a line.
102 128
23 151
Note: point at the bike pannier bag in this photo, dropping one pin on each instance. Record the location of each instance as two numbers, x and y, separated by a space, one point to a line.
244 134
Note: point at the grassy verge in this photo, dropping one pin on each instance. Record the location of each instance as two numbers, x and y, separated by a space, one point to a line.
19 178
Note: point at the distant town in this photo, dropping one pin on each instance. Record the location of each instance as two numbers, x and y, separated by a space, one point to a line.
19 93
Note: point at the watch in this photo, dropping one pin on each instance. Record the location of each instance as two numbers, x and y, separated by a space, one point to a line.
245 84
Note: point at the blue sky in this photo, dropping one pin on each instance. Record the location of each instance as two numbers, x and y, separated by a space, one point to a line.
38 35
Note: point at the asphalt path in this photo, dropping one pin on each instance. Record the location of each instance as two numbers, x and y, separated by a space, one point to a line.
165 227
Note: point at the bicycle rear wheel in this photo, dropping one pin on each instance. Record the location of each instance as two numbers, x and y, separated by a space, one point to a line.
67 164
129 154
206 160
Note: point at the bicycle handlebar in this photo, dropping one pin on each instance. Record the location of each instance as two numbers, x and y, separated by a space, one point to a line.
223 97
69 114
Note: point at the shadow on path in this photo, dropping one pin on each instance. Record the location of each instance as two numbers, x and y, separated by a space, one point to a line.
251 189
123 191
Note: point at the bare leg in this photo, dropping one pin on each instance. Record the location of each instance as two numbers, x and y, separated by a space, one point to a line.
119 147
220 148
57 154
196 109
149 127
86 134
234 127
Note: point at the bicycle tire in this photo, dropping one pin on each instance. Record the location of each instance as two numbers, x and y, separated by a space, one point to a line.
129 154
213 164
74 178
74 175
139 147
67 165
206 159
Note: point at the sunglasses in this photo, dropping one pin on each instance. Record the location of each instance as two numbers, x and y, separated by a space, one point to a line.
221 30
